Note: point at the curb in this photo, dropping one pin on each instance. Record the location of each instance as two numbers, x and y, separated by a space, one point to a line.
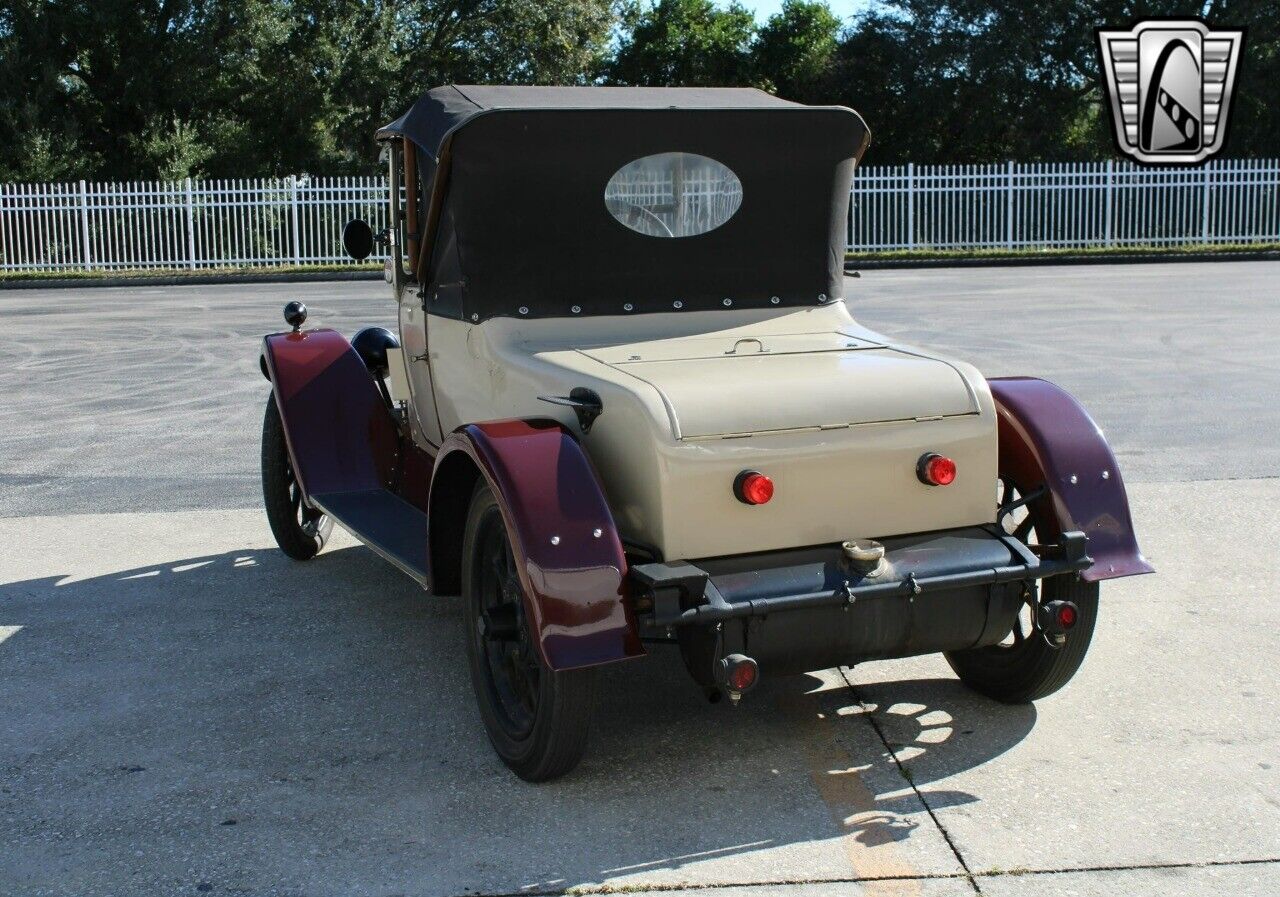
54 283
850 267
1017 262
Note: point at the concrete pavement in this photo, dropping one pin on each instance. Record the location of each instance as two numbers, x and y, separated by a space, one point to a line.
186 711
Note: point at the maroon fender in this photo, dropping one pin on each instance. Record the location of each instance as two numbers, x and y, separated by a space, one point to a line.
566 545
1047 437
340 434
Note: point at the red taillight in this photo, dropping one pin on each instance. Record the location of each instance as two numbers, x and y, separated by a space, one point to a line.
752 487
742 677
936 470
1066 615
739 672
1056 618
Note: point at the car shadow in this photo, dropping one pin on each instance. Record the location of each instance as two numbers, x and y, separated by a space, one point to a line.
326 707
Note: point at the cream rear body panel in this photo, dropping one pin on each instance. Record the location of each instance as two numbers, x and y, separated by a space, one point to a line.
762 392
833 413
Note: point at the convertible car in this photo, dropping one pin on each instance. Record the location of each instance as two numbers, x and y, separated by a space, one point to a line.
628 405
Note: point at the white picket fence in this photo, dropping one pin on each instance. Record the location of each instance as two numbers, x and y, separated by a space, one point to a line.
298 220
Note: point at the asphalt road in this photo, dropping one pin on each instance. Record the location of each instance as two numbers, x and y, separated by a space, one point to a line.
185 711
147 399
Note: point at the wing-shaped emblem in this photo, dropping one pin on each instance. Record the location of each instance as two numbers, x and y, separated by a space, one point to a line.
1170 86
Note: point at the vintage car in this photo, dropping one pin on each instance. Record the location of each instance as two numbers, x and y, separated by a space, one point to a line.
628 405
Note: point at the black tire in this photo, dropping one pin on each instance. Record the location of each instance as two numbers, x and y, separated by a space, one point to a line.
1025 667
300 531
537 719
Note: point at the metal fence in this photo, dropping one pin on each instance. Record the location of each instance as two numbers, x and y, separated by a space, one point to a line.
298 220
186 224
1064 205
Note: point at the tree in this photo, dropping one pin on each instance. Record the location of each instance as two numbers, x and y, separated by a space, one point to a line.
239 88
1254 128
684 43
795 49
971 80
987 80
130 89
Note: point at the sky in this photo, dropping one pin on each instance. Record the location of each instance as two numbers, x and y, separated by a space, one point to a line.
842 8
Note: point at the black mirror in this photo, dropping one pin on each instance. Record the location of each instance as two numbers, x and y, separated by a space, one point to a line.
357 237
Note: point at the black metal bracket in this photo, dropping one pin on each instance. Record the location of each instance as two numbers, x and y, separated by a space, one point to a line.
586 404
1027 499
667 589
1073 547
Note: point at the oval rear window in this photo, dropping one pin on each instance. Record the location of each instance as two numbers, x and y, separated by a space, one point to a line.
673 195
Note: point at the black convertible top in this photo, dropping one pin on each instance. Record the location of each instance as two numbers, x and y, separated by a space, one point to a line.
442 110
514 216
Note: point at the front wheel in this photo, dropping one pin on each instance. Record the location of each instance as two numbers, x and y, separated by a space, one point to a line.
300 530
1025 667
537 719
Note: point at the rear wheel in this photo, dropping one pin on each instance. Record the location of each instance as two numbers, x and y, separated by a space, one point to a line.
1025 667
537 719
300 530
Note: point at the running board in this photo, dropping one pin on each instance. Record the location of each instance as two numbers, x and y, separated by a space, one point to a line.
393 528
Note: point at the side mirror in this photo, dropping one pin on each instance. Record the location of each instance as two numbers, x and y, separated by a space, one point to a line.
357 238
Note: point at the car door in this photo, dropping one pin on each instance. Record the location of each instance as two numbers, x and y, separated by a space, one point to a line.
408 206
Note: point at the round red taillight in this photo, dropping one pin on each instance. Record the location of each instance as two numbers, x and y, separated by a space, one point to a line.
936 470
738 673
752 487
1067 616
743 675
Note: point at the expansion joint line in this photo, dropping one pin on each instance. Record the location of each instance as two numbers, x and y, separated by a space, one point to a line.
776 884
902 771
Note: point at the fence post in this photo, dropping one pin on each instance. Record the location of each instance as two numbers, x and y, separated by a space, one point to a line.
1008 205
293 214
848 218
1204 206
911 205
1108 212
191 228
86 256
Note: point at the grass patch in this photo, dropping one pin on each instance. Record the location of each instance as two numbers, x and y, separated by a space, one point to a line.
154 273
927 253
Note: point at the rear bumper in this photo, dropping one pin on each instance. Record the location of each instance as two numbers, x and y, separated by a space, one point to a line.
811 608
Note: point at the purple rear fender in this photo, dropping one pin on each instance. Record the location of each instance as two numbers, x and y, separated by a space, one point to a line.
570 557
341 436
1047 438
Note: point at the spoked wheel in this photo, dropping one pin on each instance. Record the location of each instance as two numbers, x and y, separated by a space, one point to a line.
1025 667
537 719
300 530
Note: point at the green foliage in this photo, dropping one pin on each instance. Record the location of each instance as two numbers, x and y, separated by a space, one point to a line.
697 43
239 88
950 81
127 89
796 48
971 80
38 156
684 43
1255 127
172 149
